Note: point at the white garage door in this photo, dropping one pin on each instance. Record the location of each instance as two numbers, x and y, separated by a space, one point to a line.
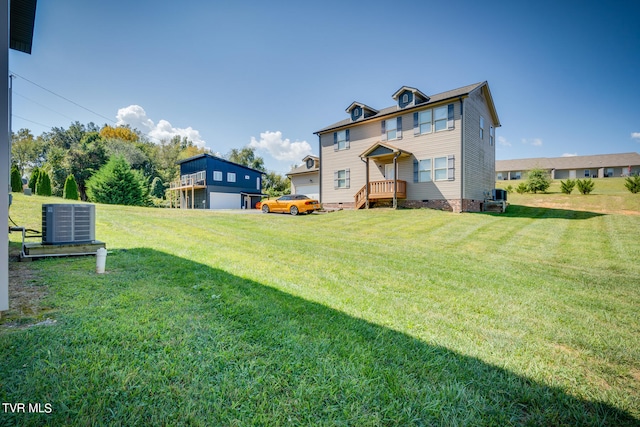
224 201
311 191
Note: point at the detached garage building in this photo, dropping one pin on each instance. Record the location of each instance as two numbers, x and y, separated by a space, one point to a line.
209 182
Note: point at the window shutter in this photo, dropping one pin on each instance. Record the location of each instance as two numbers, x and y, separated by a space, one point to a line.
347 178
335 141
415 170
451 167
383 136
347 144
335 180
399 128
416 124
450 116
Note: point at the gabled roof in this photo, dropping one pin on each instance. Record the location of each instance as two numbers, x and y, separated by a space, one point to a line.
572 162
300 169
433 99
382 149
198 156
361 105
410 89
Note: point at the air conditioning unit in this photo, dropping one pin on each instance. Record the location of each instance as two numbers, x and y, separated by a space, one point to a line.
68 223
499 194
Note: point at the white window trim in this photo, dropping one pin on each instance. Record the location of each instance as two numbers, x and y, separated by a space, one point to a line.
231 177
445 169
217 174
343 141
420 171
445 119
481 128
430 122
387 129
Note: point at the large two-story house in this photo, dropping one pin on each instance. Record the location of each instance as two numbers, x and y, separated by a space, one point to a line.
434 151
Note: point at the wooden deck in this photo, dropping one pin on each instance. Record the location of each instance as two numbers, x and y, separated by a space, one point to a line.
379 190
183 191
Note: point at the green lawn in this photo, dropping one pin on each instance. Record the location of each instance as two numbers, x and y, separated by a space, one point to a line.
362 318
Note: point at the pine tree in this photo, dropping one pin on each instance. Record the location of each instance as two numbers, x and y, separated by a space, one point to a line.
33 179
70 189
43 186
157 188
117 184
632 183
16 180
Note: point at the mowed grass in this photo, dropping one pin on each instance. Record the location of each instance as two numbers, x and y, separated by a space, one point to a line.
363 318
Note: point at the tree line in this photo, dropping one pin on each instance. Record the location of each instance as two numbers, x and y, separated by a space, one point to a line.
112 164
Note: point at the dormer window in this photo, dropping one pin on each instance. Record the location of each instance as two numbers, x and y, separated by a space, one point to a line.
356 113
409 97
310 163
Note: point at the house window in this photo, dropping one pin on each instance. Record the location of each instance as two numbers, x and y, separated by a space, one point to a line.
217 175
405 98
231 177
481 128
440 169
424 170
500 176
609 173
587 173
391 127
440 118
516 175
425 121
247 177
341 178
491 135
258 184
341 140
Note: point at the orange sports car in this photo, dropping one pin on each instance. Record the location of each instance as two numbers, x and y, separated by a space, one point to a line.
291 203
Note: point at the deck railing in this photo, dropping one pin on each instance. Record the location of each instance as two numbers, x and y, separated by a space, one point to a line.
198 178
380 190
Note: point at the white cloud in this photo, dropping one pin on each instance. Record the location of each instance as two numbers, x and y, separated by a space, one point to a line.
536 142
635 135
503 141
136 117
569 154
281 149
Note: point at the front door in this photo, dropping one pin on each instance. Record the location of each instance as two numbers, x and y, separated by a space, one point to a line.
389 171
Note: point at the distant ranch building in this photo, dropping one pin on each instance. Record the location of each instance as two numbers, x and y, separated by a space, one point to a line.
596 166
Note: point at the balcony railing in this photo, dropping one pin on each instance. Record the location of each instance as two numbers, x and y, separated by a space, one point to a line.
194 179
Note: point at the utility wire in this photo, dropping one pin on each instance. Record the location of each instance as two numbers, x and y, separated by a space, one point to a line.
62 97
42 105
31 121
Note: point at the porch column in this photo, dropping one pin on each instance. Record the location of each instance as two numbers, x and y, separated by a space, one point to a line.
395 181
366 188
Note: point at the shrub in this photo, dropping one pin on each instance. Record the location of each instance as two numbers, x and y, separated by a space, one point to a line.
16 179
43 186
632 183
585 186
157 188
33 179
538 180
567 186
522 188
509 188
70 189
117 184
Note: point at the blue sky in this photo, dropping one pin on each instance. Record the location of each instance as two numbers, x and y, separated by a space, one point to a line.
565 75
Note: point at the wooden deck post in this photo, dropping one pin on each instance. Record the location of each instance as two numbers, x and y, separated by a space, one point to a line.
395 182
